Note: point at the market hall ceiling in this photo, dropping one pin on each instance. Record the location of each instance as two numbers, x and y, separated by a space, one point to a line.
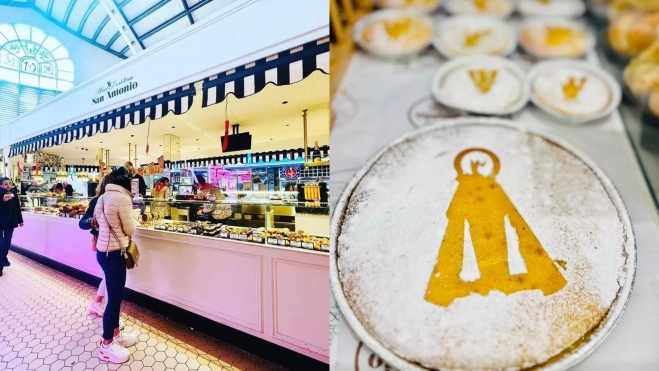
122 27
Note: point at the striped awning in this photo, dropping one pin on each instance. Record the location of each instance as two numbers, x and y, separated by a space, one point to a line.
284 68
178 101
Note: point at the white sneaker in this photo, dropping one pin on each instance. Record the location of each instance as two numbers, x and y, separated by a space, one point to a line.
113 353
125 339
96 308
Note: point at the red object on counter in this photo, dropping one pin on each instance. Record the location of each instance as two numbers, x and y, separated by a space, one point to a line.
225 143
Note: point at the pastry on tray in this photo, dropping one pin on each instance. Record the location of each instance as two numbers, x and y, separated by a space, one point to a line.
524 259
483 85
474 35
632 33
552 8
394 32
641 77
555 38
424 5
495 8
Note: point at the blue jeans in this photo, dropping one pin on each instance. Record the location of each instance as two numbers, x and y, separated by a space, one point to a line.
114 268
5 243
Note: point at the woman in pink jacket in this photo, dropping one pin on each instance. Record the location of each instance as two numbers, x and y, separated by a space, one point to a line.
116 225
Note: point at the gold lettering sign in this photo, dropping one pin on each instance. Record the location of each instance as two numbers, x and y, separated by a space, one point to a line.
472 39
483 79
572 88
481 211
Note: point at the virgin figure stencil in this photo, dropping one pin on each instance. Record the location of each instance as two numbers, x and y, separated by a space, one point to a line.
482 213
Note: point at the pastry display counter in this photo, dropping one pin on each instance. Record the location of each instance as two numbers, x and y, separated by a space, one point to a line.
225 274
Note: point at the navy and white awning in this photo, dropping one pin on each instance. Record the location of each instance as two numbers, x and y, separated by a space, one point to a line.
284 68
178 101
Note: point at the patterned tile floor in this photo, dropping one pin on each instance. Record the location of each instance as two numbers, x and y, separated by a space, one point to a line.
45 326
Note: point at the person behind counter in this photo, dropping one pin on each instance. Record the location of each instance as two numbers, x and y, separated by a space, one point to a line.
216 212
10 218
68 189
162 192
57 188
116 225
142 183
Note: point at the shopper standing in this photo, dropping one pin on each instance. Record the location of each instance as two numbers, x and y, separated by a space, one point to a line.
88 223
116 225
10 218
135 175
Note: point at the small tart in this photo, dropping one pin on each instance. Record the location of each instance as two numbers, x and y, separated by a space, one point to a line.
494 8
424 5
552 8
392 32
573 90
474 35
555 38
485 85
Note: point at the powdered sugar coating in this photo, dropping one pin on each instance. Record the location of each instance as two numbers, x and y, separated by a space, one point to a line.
394 225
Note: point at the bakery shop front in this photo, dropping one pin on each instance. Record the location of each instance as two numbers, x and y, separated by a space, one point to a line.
234 220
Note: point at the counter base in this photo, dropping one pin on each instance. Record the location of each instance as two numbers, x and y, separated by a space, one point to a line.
274 353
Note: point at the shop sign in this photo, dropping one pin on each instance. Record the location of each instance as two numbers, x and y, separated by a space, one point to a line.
114 88
290 172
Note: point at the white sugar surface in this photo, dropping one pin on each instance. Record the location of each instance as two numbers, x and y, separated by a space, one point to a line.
395 223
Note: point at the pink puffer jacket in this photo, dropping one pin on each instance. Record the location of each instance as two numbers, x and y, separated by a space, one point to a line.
117 206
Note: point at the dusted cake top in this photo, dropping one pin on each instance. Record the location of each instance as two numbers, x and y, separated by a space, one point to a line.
480 246
554 38
397 34
558 8
472 35
495 8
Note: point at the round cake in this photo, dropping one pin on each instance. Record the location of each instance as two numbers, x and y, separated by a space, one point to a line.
479 245
394 32
425 5
555 38
495 8
572 92
474 35
481 85
552 8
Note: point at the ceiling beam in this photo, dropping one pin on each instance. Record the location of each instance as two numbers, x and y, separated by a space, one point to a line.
43 14
88 12
113 39
148 12
124 20
187 9
100 28
69 9
175 18
50 6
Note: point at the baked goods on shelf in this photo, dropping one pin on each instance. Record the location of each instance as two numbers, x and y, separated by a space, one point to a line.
641 77
449 291
555 38
495 8
484 85
574 90
424 5
474 35
632 33
552 8
394 32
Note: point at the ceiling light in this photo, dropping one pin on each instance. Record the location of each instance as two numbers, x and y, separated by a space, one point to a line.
284 102
173 127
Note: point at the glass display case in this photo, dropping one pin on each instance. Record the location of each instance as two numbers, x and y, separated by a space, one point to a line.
256 217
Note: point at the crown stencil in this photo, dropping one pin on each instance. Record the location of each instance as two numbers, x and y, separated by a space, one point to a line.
572 89
483 79
472 39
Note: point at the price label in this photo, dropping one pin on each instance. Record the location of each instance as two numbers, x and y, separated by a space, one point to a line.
296 244
179 229
171 229
234 236
324 247
307 245
272 241
281 242
257 239
223 234
242 237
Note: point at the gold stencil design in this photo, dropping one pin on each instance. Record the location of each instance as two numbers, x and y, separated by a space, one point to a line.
396 28
473 39
557 35
483 204
483 79
480 4
544 2
572 89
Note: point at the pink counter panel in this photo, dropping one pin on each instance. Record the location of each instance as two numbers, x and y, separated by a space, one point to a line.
278 294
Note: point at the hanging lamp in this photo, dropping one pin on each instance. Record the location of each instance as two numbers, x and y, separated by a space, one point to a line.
61 175
83 176
37 175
